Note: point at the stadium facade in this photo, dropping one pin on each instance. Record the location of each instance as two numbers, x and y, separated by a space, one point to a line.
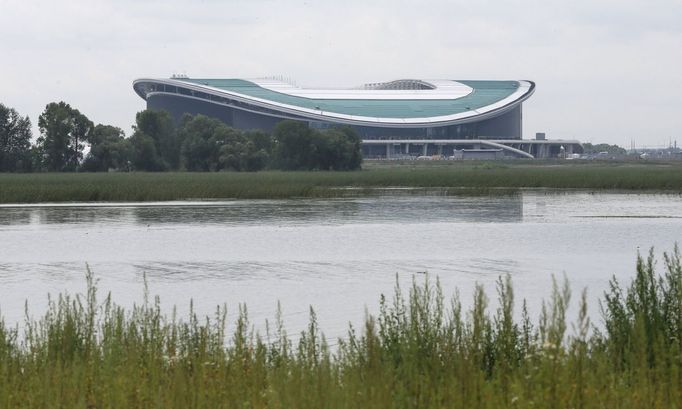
395 119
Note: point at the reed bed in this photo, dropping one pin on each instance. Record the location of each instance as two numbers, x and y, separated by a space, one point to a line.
421 351
453 179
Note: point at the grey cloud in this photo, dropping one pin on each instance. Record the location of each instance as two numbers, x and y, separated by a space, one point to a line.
592 60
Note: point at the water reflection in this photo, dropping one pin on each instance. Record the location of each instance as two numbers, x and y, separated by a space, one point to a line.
368 210
16 216
508 208
84 215
335 254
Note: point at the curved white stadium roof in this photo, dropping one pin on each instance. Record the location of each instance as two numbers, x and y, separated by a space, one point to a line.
442 89
401 103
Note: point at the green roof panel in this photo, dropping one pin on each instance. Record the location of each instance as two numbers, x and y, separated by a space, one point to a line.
484 93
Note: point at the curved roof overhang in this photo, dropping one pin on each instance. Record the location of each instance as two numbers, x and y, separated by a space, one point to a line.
277 108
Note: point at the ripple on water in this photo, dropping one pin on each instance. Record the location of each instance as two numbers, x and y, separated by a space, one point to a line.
335 254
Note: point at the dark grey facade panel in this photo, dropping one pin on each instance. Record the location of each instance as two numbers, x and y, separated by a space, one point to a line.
249 120
504 126
177 106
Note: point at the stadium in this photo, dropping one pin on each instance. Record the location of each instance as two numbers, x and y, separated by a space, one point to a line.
399 119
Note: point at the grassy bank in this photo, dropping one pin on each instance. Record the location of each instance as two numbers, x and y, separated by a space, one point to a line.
448 178
422 351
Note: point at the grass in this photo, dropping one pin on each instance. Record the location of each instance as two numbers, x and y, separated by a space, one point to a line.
421 351
446 178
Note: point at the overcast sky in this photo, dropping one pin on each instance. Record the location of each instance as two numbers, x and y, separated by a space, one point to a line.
606 70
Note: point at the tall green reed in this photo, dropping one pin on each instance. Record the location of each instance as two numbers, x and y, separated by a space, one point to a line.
422 350
464 178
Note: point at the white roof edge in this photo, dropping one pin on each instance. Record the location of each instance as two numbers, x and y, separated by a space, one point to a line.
523 92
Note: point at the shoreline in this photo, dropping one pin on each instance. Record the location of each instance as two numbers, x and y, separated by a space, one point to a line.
460 178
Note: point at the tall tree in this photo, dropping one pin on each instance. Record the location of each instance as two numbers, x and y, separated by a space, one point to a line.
108 149
159 127
145 156
300 148
208 145
63 131
353 153
258 148
15 141
293 141
201 138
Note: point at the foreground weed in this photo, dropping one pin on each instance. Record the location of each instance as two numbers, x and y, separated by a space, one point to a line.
421 351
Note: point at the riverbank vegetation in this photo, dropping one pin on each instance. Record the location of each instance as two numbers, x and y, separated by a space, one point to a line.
197 143
448 178
423 350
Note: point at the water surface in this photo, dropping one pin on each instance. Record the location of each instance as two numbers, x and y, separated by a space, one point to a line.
337 255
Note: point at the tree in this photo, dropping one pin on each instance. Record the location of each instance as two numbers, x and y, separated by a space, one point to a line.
249 152
337 149
159 127
209 145
63 130
145 156
301 148
293 145
15 141
261 140
353 158
603 147
258 149
108 149
202 137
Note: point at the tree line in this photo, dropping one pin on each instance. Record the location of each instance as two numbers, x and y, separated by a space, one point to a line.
589 148
197 143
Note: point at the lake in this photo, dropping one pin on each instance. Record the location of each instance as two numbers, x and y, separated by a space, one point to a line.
337 255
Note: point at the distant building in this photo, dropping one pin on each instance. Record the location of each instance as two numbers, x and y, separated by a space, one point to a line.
396 119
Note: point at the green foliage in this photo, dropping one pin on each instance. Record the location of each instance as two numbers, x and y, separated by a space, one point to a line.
63 131
336 149
155 142
256 151
299 147
458 179
294 150
145 154
419 352
108 150
15 141
200 143
209 145
603 147
201 138
647 318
